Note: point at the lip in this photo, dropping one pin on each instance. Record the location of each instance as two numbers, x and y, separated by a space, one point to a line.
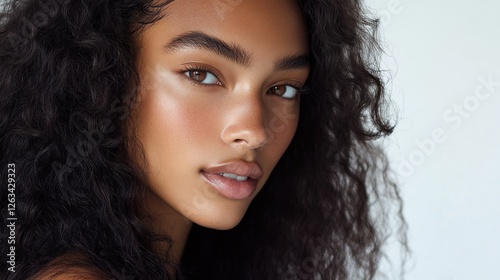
232 188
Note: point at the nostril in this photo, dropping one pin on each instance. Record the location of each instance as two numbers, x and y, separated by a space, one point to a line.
252 140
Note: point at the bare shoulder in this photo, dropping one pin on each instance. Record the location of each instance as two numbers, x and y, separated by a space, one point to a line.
69 274
69 267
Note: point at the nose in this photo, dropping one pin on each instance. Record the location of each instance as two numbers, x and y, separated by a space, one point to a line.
245 123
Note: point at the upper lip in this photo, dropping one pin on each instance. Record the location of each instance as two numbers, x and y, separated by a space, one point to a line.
239 168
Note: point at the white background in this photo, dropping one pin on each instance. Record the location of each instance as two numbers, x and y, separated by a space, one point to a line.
440 53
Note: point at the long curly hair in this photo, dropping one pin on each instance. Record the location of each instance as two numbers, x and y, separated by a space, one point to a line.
68 82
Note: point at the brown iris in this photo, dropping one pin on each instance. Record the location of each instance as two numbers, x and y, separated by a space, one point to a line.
198 75
278 90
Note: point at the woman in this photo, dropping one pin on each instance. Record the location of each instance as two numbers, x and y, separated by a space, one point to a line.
139 132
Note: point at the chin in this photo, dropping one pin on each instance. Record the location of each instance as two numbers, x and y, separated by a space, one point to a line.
219 218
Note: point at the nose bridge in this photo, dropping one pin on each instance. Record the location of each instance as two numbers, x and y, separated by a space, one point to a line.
246 119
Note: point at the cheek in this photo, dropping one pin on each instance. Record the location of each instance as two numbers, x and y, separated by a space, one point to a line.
172 127
282 124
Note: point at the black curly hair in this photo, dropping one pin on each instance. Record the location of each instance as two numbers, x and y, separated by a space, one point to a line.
68 82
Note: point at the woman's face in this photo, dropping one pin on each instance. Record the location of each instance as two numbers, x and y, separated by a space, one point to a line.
218 104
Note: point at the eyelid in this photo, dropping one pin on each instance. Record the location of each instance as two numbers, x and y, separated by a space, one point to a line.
297 86
202 67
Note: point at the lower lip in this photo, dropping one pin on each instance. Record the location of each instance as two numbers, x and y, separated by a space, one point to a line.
231 188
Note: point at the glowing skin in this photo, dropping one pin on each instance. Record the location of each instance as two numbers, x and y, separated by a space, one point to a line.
239 106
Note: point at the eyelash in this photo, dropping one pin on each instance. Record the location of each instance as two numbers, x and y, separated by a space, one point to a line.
204 68
295 87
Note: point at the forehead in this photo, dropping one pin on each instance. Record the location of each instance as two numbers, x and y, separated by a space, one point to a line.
259 26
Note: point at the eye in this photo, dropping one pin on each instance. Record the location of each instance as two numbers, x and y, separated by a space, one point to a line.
202 77
285 91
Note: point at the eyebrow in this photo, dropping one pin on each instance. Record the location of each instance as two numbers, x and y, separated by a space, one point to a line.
203 41
232 52
292 62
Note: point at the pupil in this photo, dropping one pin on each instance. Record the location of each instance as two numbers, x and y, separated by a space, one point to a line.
280 90
198 75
